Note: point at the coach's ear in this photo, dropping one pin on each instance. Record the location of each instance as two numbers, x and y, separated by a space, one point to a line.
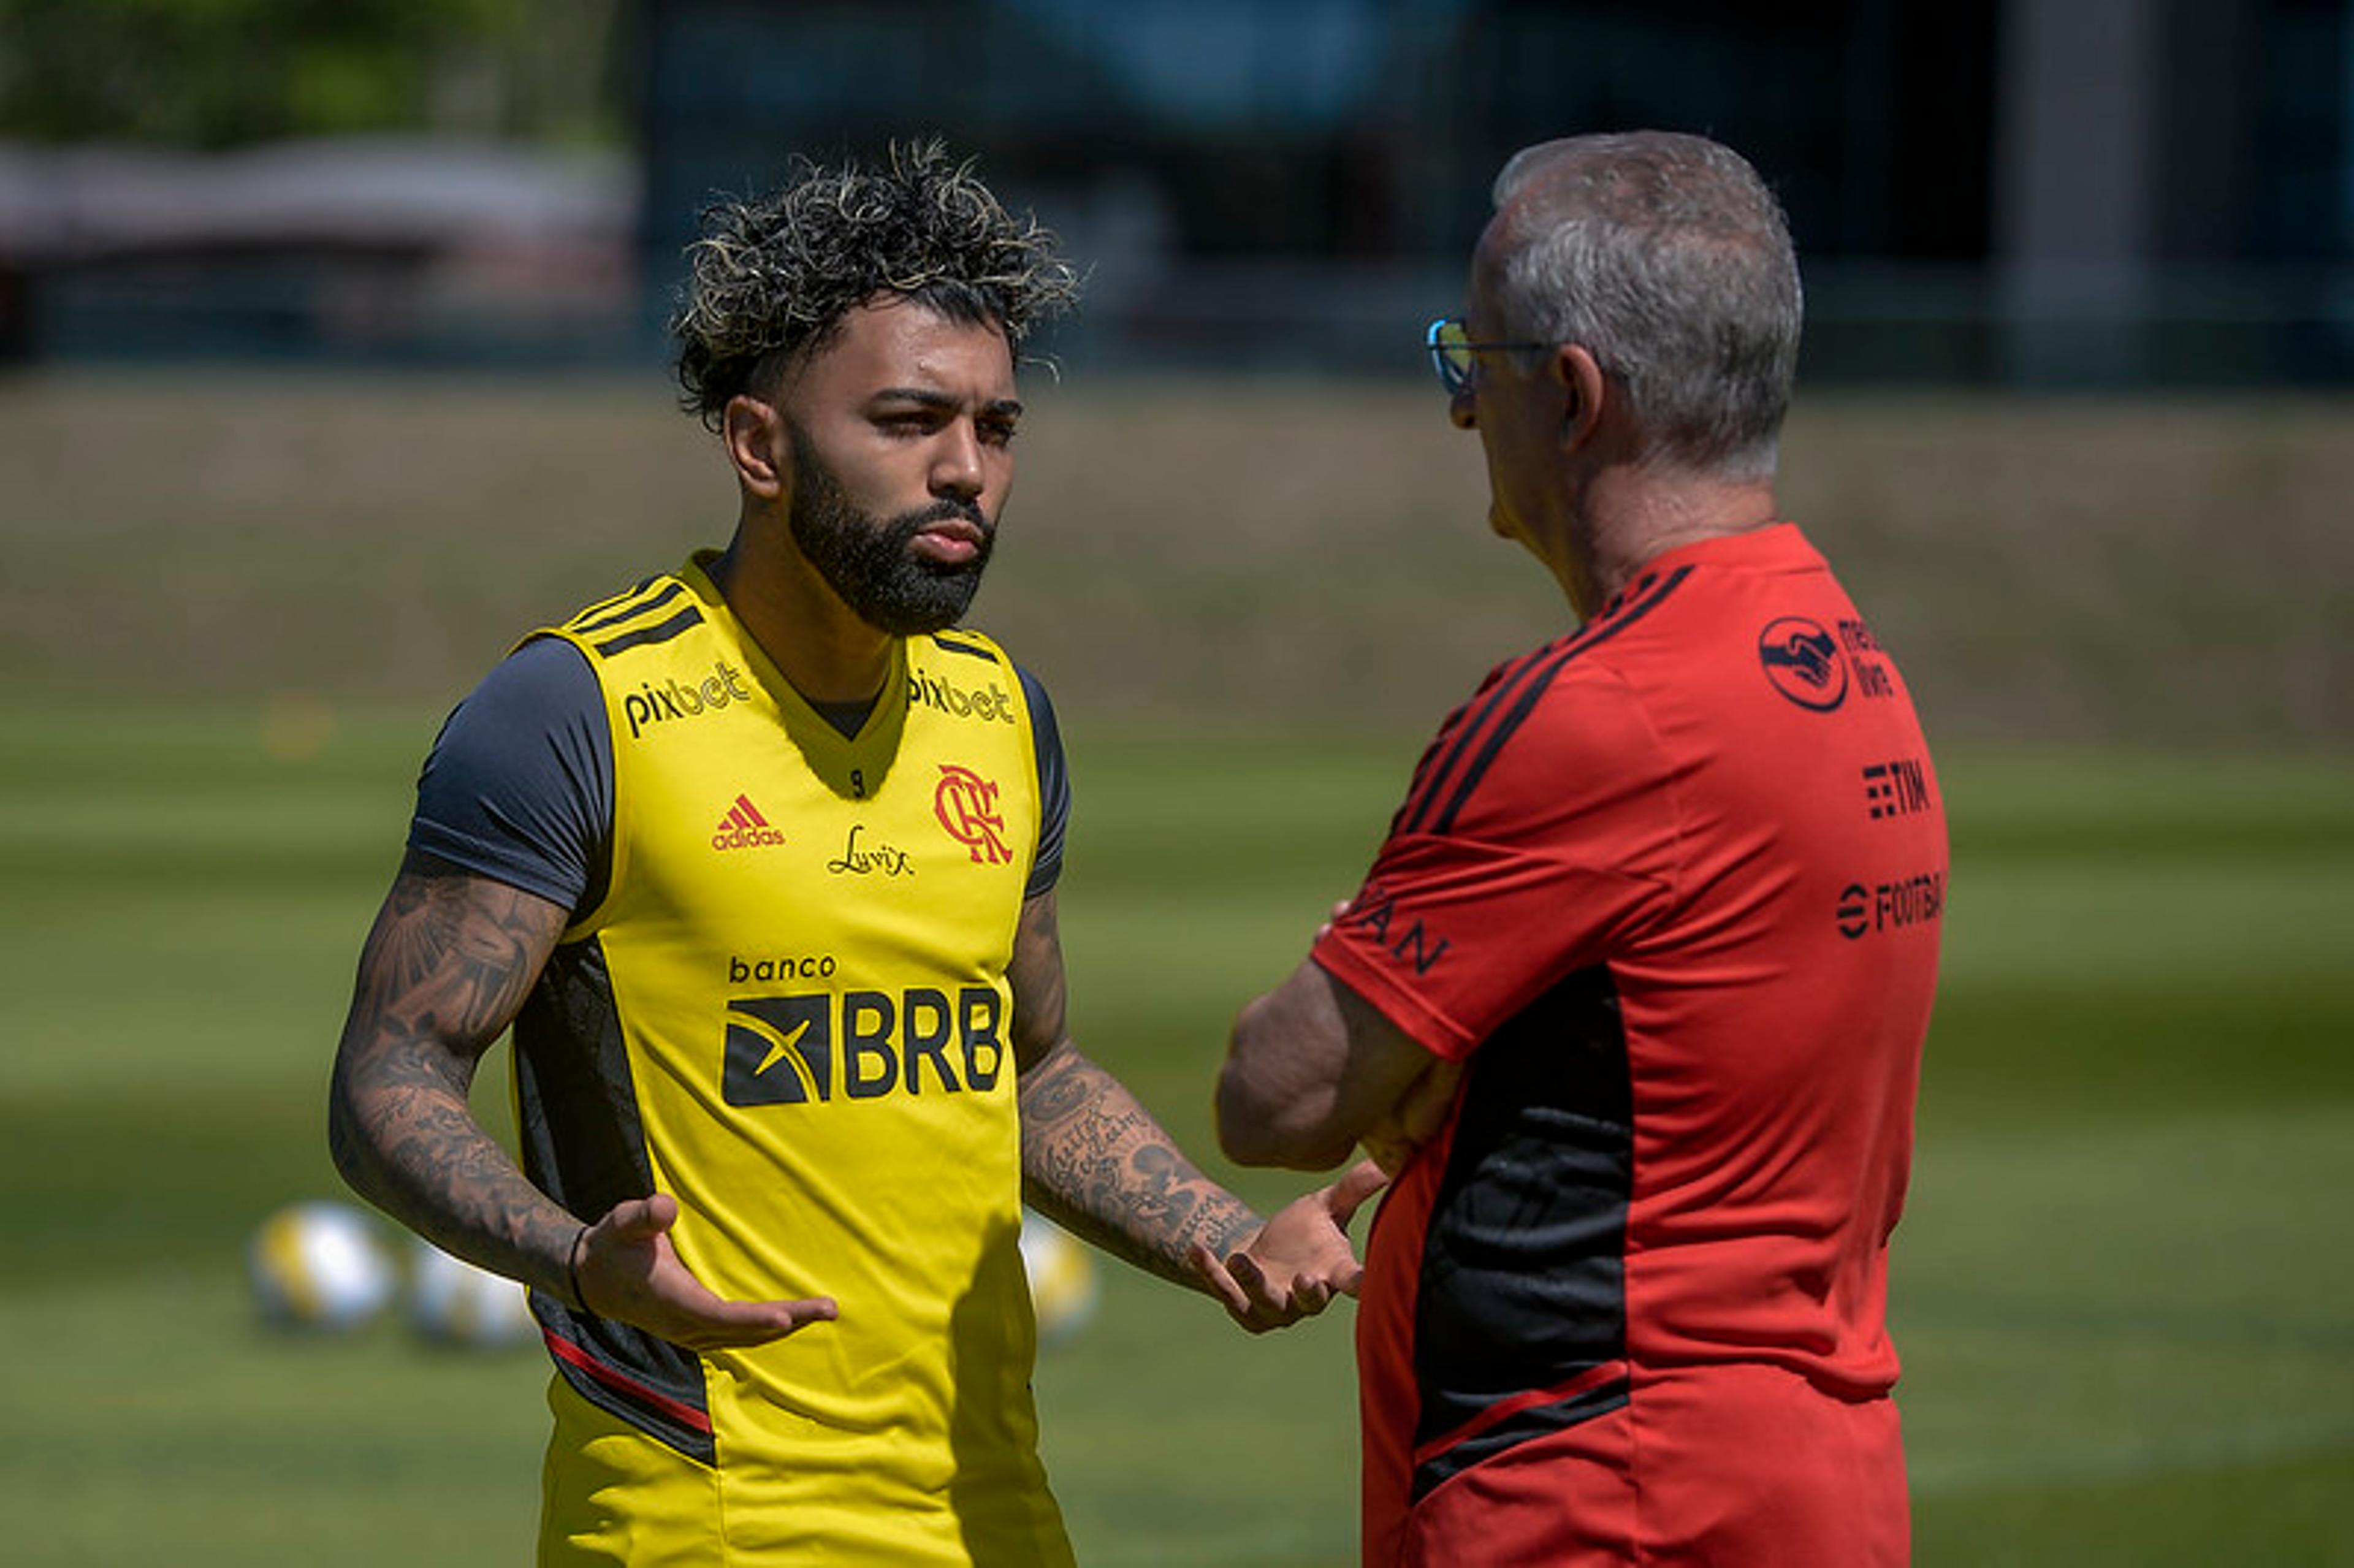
1583 387
754 433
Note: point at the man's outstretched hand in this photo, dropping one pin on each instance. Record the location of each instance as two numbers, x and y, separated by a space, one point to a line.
625 1269
1298 1261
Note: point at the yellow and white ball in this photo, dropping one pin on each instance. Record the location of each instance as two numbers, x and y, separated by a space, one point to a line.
1063 1285
451 1302
320 1267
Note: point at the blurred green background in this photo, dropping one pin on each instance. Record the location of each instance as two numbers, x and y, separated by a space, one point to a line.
232 611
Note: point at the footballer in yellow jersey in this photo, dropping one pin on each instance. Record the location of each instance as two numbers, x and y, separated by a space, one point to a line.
798 973
788 975
759 860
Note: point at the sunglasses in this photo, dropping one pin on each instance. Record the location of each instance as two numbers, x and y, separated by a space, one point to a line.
1451 349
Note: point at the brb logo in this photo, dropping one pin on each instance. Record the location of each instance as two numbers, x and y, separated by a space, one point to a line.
810 1048
966 804
1802 660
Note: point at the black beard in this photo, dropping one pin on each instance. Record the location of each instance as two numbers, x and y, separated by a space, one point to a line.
866 559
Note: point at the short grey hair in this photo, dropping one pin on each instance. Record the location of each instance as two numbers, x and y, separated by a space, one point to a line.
1667 258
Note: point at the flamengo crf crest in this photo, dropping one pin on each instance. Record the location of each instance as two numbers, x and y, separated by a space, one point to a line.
966 804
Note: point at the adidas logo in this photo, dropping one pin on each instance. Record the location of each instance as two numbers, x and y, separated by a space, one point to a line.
744 828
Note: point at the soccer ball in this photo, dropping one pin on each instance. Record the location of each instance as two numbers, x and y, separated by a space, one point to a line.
321 1266
1063 1288
451 1302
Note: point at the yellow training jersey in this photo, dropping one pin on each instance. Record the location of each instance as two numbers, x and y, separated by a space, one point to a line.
790 1011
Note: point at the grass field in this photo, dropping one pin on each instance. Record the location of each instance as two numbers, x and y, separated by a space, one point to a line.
2126 1288
2176 574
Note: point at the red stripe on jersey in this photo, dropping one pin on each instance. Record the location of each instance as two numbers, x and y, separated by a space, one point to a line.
1591 1377
622 1383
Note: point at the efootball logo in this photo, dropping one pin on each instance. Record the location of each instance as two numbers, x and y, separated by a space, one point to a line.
744 828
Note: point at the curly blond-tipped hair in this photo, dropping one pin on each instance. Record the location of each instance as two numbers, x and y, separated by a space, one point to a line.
775 276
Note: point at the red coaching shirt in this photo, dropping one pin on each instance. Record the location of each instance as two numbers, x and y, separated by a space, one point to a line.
1671 887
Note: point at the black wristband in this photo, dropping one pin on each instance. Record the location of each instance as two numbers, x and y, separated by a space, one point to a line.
572 1269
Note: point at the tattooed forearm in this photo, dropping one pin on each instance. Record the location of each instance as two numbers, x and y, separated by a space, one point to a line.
444 972
1094 1162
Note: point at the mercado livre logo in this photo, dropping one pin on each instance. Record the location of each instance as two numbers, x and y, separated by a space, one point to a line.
1802 661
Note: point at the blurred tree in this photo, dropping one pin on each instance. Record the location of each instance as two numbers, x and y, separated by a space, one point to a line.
212 73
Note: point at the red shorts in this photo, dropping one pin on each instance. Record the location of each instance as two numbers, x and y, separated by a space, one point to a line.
1730 1467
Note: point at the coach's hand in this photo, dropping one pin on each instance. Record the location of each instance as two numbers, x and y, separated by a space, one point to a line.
1298 1261
624 1267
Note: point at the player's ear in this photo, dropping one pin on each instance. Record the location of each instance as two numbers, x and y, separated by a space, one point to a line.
754 434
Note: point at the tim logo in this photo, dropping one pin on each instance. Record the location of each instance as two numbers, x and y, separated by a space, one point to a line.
1895 789
744 828
819 1047
1803 661
966 804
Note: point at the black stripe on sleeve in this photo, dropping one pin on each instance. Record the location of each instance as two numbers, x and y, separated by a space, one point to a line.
661 632
1054 787
1530 691
1474 714
584 626
969 650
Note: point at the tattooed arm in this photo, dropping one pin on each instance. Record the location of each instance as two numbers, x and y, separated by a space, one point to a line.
1094 1160
444 972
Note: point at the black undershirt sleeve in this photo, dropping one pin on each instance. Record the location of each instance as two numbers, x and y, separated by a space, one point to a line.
1054 787
519 785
